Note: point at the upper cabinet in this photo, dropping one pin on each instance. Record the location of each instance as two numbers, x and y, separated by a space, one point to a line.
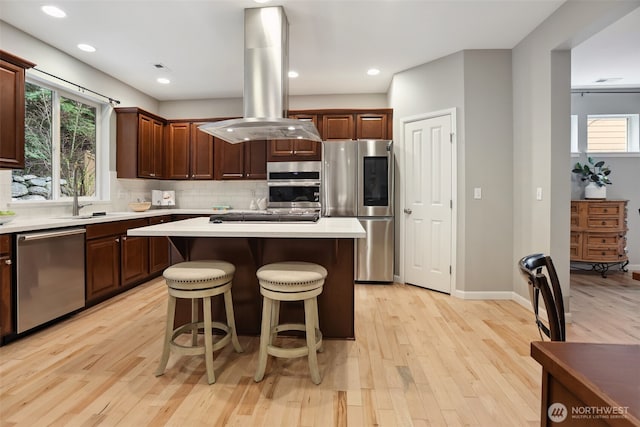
364 124
338 126
139 144
287 150
189 152
332 125
12 108
246 160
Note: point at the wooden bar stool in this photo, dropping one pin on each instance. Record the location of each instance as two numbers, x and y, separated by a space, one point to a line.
290 281
196 280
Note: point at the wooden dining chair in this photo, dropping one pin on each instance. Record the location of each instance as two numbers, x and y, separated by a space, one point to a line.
540 274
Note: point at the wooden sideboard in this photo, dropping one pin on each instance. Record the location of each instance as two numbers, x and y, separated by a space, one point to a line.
598 233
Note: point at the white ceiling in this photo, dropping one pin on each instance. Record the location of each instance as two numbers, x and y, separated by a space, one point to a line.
332 43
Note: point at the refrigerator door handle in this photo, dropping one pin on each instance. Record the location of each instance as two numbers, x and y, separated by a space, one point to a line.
408 211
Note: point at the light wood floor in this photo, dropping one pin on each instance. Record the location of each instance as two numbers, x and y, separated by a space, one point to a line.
420 358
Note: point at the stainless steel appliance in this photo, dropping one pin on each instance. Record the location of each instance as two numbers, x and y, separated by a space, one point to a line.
50 278
358 182
294 184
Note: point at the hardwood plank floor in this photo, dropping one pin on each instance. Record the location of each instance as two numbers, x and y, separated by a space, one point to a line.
420 358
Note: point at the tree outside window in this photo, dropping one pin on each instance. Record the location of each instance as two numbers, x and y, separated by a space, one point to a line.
60 138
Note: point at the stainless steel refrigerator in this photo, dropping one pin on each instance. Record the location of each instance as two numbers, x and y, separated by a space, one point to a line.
357 182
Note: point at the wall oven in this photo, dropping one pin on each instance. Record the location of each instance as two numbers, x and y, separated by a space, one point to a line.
294 184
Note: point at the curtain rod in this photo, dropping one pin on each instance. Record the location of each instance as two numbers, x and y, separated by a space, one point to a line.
111 100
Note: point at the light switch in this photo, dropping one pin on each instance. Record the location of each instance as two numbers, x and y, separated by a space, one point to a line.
477 193
539 193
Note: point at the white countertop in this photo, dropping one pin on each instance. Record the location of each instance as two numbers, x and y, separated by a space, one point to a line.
201 227
22 224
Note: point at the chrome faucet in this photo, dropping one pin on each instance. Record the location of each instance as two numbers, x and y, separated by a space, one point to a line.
75 210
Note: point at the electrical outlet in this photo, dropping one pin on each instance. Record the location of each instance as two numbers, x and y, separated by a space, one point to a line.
477 193
539 193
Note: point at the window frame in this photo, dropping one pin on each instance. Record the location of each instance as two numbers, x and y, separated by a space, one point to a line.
633 135
103 109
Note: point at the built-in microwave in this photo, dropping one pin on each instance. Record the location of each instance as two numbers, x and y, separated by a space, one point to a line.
294 184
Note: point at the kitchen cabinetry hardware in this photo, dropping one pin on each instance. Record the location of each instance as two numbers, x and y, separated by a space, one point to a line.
408 211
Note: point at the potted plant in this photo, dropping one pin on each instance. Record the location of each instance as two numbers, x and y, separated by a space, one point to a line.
597 175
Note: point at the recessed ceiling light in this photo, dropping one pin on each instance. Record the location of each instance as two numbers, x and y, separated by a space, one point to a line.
262 1
53 11
373 71
86 47
163 80
293 74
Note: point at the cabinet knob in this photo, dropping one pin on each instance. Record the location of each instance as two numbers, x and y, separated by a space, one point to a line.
604 253
117 240
7 261
124 238
603 240
604 222
606 210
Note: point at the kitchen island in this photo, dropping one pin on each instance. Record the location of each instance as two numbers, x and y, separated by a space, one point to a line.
249 245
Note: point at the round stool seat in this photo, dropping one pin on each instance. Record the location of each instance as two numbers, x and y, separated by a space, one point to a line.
293 276
199 281
193 275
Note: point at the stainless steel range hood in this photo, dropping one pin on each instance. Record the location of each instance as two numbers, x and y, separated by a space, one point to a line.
266 84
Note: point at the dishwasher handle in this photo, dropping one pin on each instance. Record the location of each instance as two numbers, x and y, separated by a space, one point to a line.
51 234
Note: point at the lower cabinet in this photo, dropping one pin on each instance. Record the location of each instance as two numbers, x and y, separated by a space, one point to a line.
115 261
159 248
6 294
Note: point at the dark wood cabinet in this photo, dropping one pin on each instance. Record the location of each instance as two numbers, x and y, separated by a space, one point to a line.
291 150
134 259
372 126
338 126
189 152
159 248
6 286
246 160
139 144
376 124
12 108
115 261
103 267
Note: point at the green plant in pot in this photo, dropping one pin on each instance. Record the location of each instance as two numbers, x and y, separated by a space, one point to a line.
596 174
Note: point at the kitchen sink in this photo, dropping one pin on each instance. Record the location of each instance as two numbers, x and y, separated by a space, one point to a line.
88 216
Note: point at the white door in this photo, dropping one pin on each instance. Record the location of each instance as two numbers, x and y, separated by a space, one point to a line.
428 202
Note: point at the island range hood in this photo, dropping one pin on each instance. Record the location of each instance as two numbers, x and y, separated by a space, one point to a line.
266 84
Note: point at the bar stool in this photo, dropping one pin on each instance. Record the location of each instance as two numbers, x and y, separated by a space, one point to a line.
290 281
196 280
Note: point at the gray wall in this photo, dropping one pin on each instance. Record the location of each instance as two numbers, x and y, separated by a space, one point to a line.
541 107
478 84
625 173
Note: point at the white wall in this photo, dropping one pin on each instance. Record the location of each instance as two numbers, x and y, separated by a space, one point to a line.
625 173
542 133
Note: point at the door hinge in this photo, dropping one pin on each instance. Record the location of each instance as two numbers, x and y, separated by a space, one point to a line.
451 137
451 204
450 270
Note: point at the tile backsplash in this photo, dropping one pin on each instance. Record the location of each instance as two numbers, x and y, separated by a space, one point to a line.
189 195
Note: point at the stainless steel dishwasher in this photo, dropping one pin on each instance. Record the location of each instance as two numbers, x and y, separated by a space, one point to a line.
50 279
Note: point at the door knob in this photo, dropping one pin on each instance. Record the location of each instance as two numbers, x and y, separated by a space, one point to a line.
408 211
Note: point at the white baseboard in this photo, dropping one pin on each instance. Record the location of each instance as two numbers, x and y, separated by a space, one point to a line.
633 267
479 295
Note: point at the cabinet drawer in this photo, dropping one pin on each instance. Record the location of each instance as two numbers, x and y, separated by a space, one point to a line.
606 209
5 244
602 254
603 223
112 228
602 240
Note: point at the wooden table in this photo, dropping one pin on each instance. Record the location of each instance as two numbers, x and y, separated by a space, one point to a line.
598 384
